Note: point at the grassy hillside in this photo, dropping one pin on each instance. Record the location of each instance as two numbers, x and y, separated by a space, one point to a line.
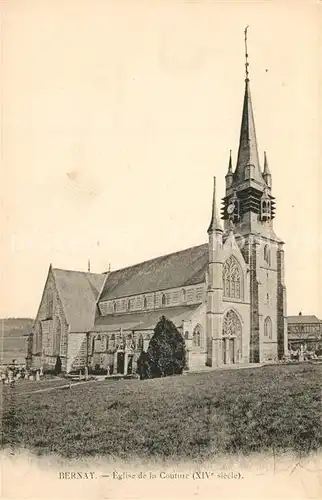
13 339
192 416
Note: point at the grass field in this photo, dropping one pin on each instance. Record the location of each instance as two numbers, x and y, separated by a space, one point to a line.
193 416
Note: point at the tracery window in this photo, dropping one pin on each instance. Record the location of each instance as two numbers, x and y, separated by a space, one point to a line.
196 336
38 339
140 343
268 328
98 344
57 337
112 342
50 304
231 325
232 279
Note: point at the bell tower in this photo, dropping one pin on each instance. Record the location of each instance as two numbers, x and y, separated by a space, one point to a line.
248 209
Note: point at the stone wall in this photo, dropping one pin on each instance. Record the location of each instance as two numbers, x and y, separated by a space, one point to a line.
47 320
77 351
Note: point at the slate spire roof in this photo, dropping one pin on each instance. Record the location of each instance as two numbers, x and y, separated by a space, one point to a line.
248 149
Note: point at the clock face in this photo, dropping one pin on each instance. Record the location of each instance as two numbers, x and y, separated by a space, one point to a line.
230 208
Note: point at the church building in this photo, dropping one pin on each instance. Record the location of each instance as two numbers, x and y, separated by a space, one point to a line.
227 297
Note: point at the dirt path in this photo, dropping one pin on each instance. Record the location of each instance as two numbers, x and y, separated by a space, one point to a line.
47 389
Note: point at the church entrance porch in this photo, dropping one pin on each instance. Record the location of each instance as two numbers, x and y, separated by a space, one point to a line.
228 351
231 339
123 362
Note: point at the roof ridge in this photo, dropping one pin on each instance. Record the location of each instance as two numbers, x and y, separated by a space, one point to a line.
154 258
75 271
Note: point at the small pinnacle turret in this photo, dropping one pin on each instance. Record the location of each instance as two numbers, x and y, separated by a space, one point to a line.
229 175
266 173
215 224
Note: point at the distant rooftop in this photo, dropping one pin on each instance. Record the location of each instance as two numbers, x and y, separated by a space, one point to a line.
303 318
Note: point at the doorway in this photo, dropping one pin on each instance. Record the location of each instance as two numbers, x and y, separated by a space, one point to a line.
120 362
232 350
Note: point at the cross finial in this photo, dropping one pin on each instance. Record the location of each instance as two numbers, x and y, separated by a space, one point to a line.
246 54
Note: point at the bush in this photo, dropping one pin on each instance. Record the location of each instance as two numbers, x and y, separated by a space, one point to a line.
166 353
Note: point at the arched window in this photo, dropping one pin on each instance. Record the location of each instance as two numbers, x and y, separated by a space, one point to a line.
140 343
98 344
232 279
112 342
57 338
184 295
267 254
186 335
128 305
196 336
268 328
50 304
163 299
114 306
38 338
145 303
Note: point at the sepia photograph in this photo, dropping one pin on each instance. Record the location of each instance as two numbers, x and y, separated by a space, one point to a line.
161 239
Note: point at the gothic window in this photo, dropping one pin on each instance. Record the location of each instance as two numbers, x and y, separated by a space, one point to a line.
186 335
38 338
128 305
232 279
114 306
267 255
196 336
184 295
57 338
145 303
231 325
140 343
163 299
112 342
268 328
98 344
50 304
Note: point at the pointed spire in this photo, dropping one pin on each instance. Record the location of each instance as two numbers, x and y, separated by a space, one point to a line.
248 166
215 224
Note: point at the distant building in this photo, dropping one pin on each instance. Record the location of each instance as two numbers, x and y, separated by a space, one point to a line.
304 330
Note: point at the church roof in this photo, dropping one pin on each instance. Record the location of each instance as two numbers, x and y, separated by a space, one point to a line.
143 320
183 268
78 292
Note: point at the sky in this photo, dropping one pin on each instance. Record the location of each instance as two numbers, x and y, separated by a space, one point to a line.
116 115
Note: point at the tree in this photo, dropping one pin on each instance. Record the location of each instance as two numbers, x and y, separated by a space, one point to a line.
58 366
166 352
